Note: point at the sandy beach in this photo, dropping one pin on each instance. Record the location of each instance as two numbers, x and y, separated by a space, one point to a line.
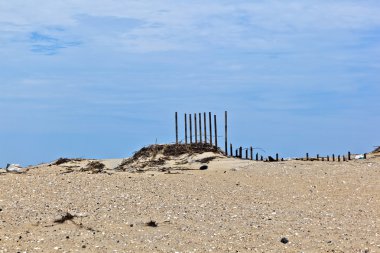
234 205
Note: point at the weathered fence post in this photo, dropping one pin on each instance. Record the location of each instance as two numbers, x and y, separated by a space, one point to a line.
185 128
349 155
323 159
251 149
261 158
225 133
191 129
241 152
344 158
317 157
277 157
307 156
328 158
333 157
365 155
257 156
205 126
246 154
216 132
200 128
176 128
338 158
195 128
231 150
210 124
236 153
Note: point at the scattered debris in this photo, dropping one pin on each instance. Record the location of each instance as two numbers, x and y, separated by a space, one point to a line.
271 159
152 223
358 157
206 159
15 168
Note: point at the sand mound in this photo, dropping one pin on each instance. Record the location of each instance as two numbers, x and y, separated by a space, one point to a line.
376 150
162 156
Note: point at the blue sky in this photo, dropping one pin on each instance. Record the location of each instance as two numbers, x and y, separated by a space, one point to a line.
100 79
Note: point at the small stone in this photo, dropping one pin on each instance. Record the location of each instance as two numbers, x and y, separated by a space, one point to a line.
203 167
284 240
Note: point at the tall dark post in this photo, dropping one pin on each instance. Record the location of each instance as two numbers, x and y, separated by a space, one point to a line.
176 128
277 157
210 125
349 155
251 149
236 153
231 150
307 156
257 156
261 158
344 158
246 154
185 128
241 152
333 157
216 132
225 132
318 157
338 158
328 158
200 127
205 126
191 129
195 128
365 155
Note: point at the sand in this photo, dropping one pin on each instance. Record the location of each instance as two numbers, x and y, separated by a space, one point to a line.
233 206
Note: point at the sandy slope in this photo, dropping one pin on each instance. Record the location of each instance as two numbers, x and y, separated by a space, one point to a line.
234 206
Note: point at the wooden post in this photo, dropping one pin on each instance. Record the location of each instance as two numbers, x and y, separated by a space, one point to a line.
200 127
307 156
205 126
328 158
246 154
318 157
210 125
185 128
241 152
236 153
349 155
225 132
176 128
277 157
195 128
365 155
333 157
344 158
323 159
216 132
231 152
191 129
261 158
251 149
257 156
338 158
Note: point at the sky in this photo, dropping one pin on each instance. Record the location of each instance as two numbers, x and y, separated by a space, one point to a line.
101 79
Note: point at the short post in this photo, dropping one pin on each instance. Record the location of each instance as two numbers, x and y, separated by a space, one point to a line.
210 125
338 158
349 155
328 158
344 158
257 156
246 154
241 152
185 128
231 153
323 159
307 156
200 127
195 128
333 157
317 157
216 132
191 129
261 158
251 149
365 155
236 153
225 132
176 128
277 157
205 126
